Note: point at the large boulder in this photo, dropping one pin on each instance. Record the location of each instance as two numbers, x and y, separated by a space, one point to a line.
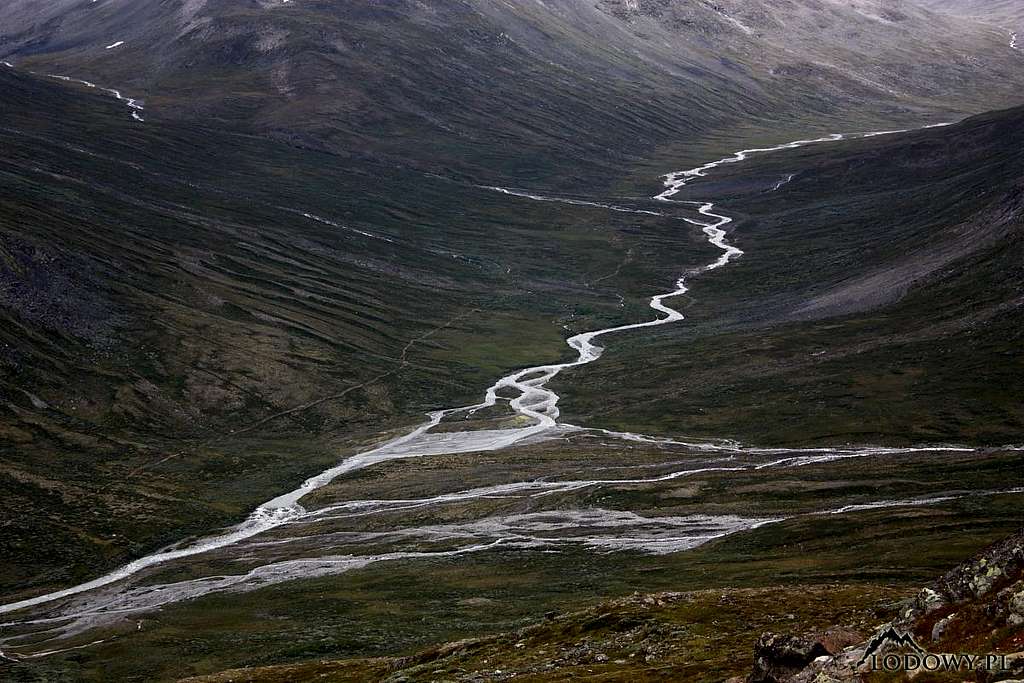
1016 607
778 658
986 574
997 564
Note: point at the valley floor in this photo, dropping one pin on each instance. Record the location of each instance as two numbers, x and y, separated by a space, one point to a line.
489 516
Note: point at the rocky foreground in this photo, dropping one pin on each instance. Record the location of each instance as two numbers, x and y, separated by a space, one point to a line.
791 634
969 625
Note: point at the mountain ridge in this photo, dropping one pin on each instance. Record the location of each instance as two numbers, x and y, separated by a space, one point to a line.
617 80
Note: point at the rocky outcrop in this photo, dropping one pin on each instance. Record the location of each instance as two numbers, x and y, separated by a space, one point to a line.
995 567
779 658
978 607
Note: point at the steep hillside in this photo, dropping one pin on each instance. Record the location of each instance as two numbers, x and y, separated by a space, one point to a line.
182 291
490 539
524 89
244 243
197 318
878 299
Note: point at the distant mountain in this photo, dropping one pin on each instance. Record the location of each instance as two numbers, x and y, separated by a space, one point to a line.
519 87
993 10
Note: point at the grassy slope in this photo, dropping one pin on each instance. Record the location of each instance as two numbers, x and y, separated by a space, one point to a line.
707 636
159 298
162 299
661 637
190 306
878 300
217 479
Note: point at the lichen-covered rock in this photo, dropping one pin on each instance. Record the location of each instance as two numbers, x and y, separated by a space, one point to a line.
993 568
978 576
984 593
985 578
841 668
1015 662
1007 607
928 600
1016 608
940 627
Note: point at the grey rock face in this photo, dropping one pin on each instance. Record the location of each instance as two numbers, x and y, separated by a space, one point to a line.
779 657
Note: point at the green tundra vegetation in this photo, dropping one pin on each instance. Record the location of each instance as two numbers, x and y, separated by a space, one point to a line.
300 251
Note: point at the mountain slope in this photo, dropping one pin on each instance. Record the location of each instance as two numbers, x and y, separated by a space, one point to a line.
858 515
330 218
263 257
878 299
520 89
1005 12
170 315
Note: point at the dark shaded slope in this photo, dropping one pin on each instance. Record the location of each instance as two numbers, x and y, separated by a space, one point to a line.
878 300
180 304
